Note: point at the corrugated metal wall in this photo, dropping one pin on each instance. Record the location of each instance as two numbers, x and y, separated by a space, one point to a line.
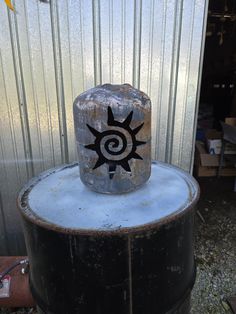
51 52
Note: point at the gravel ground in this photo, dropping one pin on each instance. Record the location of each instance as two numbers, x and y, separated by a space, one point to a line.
215 249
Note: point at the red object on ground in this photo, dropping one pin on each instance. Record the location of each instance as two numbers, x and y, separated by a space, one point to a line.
20 295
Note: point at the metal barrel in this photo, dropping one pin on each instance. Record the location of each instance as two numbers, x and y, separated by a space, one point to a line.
102 254
113 135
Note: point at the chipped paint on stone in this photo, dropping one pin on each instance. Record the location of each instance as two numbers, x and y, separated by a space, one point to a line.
110 169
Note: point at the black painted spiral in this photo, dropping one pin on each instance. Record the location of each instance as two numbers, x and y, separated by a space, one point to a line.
114 142
114 150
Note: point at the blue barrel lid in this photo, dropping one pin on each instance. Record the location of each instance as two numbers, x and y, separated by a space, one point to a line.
58 199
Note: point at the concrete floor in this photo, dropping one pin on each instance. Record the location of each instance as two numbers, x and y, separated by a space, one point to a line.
215 248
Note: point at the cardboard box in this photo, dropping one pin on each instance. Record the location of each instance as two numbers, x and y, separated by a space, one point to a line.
200 171
230 121
214 143
206 165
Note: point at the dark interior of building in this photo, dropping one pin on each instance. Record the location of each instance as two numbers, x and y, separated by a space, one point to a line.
218 91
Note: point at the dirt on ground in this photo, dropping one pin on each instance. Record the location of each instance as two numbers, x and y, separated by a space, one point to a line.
215 249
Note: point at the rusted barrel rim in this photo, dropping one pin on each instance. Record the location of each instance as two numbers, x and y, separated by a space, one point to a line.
26 211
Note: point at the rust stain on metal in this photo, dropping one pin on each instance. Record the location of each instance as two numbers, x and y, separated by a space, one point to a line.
20 295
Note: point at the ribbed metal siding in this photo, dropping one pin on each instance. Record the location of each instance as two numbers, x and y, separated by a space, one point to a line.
51 52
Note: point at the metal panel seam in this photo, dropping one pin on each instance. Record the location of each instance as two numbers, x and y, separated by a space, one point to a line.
123 26
173 79
161 72
3 223
17 64
111 40
150 53
48 109
137 42
189 60
11 126
205 14
97 42
59 80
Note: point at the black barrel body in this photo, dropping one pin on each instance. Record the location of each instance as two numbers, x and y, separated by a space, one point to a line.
147 269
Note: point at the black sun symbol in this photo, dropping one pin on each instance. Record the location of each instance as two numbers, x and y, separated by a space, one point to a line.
112 145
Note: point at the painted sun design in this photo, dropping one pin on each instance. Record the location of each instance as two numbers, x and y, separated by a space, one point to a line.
117 145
